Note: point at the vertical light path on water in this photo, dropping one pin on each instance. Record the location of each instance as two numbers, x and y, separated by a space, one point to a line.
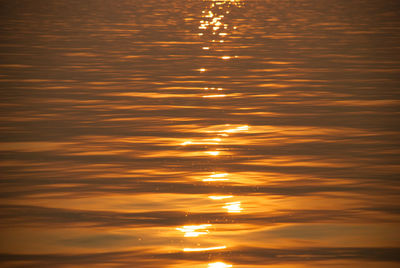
200 133
214 31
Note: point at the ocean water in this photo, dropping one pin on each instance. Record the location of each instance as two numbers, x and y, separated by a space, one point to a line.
202 134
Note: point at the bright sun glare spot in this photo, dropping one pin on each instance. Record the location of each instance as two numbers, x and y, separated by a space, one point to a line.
203 249
214 141
237 129
186 143
226 57
219 265
220 197
202 69
217 177
214 153
194 230
233 207
211 179
222 131
215 96
206 48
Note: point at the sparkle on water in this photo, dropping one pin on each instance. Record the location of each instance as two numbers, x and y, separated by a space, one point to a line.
117 148
203 249
219 265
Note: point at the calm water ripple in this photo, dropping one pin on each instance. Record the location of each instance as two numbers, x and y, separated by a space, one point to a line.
204 134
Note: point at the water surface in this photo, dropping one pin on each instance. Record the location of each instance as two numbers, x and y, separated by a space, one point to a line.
204 134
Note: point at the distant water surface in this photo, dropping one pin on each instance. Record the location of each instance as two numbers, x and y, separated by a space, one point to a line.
204 134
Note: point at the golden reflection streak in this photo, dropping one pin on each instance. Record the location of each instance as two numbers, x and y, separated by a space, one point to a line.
192 230
213 153
220 197
234 130
219 265
213 21
227 128
213 88
203 249
210 179
203 142
217 177
215 96
233 207
186 143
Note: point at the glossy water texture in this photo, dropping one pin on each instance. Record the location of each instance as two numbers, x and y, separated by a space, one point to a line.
204 134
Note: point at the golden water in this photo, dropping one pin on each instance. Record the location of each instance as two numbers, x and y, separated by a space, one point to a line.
204 134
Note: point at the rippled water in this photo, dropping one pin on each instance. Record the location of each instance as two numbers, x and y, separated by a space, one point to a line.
214 134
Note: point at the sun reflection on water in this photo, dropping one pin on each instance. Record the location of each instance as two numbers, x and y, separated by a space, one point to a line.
215 28
233 207
213 153
219 265
213 88
118 130
215 96
220 197
217 177
194 230
213 141
203 249
227 128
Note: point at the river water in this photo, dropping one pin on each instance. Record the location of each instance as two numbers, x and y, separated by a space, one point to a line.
203 134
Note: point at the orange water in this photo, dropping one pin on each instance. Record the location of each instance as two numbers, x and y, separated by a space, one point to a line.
204 134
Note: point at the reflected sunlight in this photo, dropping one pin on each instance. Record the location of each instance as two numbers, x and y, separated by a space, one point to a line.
215 96
234 130
203 249
200 134
217 177
213 88
227 128
213 18
233 207
214 141
194 230
213 153
186 143
220 197
219 265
